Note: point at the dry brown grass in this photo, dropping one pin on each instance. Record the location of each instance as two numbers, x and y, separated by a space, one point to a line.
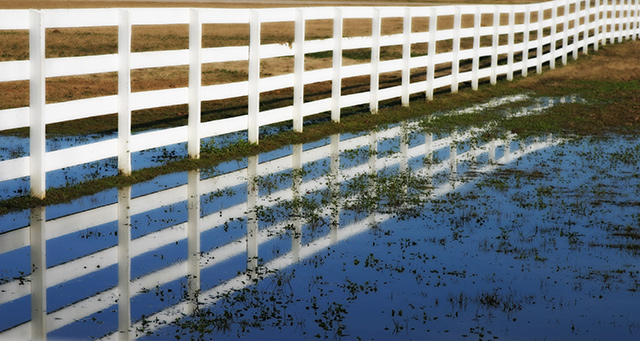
103 40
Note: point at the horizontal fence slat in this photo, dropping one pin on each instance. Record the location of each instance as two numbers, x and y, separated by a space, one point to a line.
151 59
17 70
82 108
159 98
225 91
73 66
224 16
158 138
14 19
78 155
159 16
60 18
14 168
225 54
224 126
14 118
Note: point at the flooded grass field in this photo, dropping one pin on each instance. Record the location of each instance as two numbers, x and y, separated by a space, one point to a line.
409 231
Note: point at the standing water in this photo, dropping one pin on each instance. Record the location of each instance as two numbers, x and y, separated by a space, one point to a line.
397 233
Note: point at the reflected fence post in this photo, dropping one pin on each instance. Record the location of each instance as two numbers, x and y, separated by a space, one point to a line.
507 150
124 263
428 151
296 240
404 159
373 172
334 187
492 152
193 239
252 216
453 156
38 239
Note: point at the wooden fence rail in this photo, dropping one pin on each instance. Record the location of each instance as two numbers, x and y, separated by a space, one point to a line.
571 26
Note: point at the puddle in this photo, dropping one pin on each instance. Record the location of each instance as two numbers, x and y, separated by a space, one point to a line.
393 234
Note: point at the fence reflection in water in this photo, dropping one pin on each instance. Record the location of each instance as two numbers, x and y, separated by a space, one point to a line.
91 261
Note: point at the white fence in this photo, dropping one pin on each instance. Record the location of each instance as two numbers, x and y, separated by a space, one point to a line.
560 28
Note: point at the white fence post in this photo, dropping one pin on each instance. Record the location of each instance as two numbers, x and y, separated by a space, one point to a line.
336 82
431 53
254 77
455 53
554 30
605 21
612 28
617 19
298 70
37 104
637 17
375 61
565 33
576 31
636 30
406 55
494 46
195 83
124 91
511 42
539 39
627 21
598 21
525 42
475 63
587 21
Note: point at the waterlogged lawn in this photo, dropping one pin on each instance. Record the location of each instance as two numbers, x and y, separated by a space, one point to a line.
411 231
